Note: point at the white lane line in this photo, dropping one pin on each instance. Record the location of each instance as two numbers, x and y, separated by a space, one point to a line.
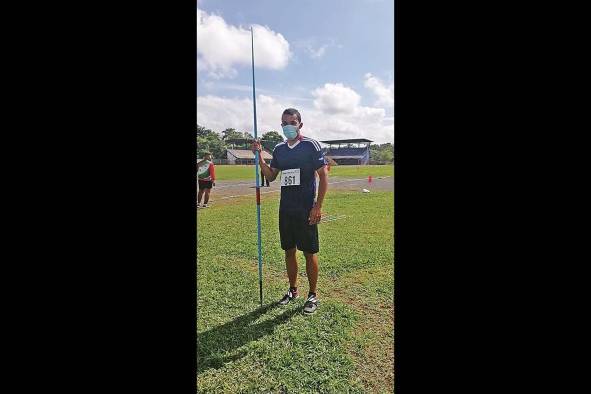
276 191
330 183
357 179
236 184
248 195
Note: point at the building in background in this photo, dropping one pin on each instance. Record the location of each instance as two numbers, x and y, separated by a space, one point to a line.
245 156
348 152
239 152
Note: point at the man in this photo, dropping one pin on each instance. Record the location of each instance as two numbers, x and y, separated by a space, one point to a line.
263 180
299 159
206 176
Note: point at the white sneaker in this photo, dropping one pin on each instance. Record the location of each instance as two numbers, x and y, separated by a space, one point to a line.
204 206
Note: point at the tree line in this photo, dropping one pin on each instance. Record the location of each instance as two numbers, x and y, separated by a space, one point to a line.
382 152
216 143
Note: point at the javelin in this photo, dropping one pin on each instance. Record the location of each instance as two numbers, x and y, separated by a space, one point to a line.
256 168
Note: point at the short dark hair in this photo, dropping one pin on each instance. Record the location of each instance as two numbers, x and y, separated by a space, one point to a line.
293 111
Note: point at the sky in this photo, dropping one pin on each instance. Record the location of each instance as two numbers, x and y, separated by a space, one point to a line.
333 60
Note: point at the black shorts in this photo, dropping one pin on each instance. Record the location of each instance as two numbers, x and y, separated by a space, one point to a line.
295 231
205 185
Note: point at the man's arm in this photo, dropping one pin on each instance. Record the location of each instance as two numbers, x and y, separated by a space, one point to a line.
268 172
322 185
212 173
315 212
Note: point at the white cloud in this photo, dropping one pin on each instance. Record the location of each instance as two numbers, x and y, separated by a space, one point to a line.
314 49
320 122
335 98
221 46
317 53
384 94
231 86
219 113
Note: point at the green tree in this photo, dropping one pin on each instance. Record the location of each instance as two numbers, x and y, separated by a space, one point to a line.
210 141
270 139
389 151
204 132
272 136
386 155
213 144
374 152
217 147
231 134
382 152
202 146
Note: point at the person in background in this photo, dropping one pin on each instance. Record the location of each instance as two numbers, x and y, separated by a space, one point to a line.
263 179
262 175
206 177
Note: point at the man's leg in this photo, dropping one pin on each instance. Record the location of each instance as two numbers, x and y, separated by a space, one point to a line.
291 263
199 195
312 270
286 234
311 303
308 242
206 196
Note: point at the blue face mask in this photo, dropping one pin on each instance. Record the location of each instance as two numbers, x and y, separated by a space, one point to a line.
290 131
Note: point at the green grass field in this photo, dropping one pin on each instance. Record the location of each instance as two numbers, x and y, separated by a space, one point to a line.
231 172
345 347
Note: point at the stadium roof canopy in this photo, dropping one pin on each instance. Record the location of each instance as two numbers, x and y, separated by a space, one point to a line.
351 141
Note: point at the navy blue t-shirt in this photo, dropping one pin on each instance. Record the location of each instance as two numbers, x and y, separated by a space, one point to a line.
306 155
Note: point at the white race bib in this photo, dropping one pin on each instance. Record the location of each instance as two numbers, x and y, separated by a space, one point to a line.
290 177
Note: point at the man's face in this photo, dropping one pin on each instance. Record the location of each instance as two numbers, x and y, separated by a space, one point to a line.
208 157
292 120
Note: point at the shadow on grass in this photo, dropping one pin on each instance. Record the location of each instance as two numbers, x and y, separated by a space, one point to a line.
214 344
